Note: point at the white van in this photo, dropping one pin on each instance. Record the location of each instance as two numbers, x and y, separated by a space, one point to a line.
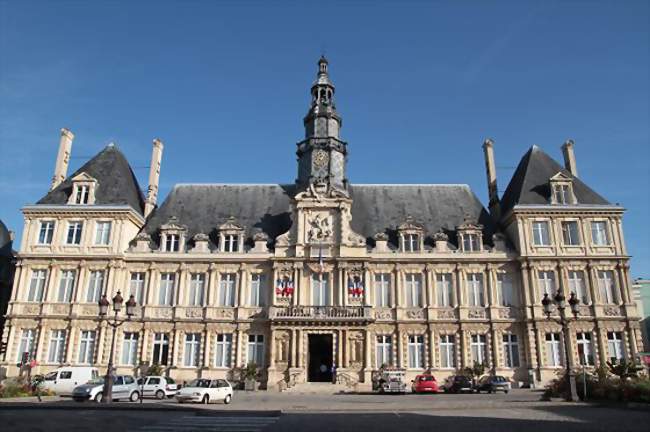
63 380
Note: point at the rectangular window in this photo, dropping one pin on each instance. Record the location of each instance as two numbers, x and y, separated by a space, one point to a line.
585 353
510 350
599 235
562 195
320 289
384 351
447 352
615 347
546 281
223 351
46 233
86 347
570 233
81 195
444 290
553 350
227 289
258 293
231 243
103 234
166 292
66 286
411 242
37 286
197 289
607 286
160 348
577 285
505 290
136 287
475 289
471 243
256 349
540 233
192 349
95 286
416 352
74 233
56 352
477 347
172 242
130 349
413 289
26 344
382 290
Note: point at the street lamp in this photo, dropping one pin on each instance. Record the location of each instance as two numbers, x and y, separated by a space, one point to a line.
103 312
559 302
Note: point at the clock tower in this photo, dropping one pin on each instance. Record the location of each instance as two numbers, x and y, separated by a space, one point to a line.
322 155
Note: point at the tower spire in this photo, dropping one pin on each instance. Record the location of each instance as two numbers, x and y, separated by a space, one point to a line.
322 155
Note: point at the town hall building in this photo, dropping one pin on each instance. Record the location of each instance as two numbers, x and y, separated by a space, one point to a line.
300 278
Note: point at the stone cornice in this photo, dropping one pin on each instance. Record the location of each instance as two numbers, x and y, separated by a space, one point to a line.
76 210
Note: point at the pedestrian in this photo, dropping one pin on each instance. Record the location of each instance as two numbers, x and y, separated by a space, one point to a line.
333 373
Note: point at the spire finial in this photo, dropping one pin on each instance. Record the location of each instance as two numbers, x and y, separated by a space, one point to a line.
322 65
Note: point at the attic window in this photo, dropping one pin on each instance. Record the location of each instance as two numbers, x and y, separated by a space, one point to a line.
81 194
172 236
83 190
470 236
562 190
231 236
411 242
410 235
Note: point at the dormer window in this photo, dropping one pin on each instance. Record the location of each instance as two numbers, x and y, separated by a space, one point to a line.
231 236
410 236
83 190
172 236
562 190
470 237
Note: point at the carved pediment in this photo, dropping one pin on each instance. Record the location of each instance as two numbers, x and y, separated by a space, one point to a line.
410 225
84 177
173 225
231 224
200 237
560 177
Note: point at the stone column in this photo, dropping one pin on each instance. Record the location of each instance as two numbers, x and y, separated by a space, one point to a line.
152 281
144 353
239 348
368 294
180 289
18 284
343 277
340 344
272 348
211 295
400 356
432 348
459 286
399 285
430 299
623 283
273 287
393 288
299 336
495 335
207 348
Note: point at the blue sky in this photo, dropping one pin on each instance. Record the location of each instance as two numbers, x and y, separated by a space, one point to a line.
420 85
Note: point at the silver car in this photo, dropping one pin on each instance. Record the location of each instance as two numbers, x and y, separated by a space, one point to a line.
125 387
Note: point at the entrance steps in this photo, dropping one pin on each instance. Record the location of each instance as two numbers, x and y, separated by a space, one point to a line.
327 388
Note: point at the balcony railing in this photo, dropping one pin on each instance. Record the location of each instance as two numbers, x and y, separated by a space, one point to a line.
324 313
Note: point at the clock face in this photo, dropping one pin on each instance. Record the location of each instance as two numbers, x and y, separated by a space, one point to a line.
320 159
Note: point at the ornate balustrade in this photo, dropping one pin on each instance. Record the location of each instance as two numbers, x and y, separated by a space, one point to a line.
321 313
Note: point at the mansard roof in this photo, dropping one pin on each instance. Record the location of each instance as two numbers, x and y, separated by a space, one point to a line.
530 182
266 208
116 183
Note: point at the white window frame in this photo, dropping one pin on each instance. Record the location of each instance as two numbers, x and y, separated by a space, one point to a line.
382 289
160 340
554 350
570 238
66 286
413 289
576 279
129 348
166 289
82 194
74 233
192 350
475 290
416 356
320 290
546 282
27 338
96 281
444 289
258 290
584 347
447 351
46 232
615 348
197 289
255 349
607 286
231 243
384 350
87 339
37 285
56 351
541 233
172 242
511 350
506 290
227 287
411 242
103 233
223 350
478 348
471 242
600 233
136 286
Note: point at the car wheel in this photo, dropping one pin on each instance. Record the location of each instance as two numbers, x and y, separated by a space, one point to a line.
205 400
99 397
160 394
135 396
227 399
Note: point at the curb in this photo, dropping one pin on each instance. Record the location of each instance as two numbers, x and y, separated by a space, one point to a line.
137 407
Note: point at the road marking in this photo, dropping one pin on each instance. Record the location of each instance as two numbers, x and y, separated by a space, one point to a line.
212 423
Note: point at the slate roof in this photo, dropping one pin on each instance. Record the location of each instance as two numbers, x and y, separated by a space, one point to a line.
5 240
117 185
375 208
530 182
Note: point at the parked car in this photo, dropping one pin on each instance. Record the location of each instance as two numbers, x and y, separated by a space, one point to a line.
159 387
391 380
424 384
63 380
457 384
493 384
206 391
124 388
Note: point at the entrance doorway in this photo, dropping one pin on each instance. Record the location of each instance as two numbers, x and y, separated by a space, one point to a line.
320 358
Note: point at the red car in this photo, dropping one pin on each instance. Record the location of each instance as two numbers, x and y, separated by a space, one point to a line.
424 384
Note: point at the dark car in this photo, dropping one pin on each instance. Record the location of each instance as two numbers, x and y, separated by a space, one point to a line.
493 384
457 384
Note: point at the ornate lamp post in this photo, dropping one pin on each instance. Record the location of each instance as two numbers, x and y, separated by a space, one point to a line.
559 301
115 323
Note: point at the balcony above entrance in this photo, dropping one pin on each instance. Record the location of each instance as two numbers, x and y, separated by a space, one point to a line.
317 314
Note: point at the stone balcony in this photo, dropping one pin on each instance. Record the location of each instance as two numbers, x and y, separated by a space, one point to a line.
361 314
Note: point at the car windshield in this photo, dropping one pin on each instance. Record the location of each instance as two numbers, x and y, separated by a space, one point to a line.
499 379
51 376
427 378
170 381
199 383
96 381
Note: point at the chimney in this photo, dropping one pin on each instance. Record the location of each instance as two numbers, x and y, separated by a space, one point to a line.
491 172
569 157
154 175
63 158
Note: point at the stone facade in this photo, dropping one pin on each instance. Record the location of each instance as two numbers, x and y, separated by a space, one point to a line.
414 278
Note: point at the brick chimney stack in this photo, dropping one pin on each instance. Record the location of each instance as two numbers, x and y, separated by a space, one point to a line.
154 176
569 157
62 158
491 172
